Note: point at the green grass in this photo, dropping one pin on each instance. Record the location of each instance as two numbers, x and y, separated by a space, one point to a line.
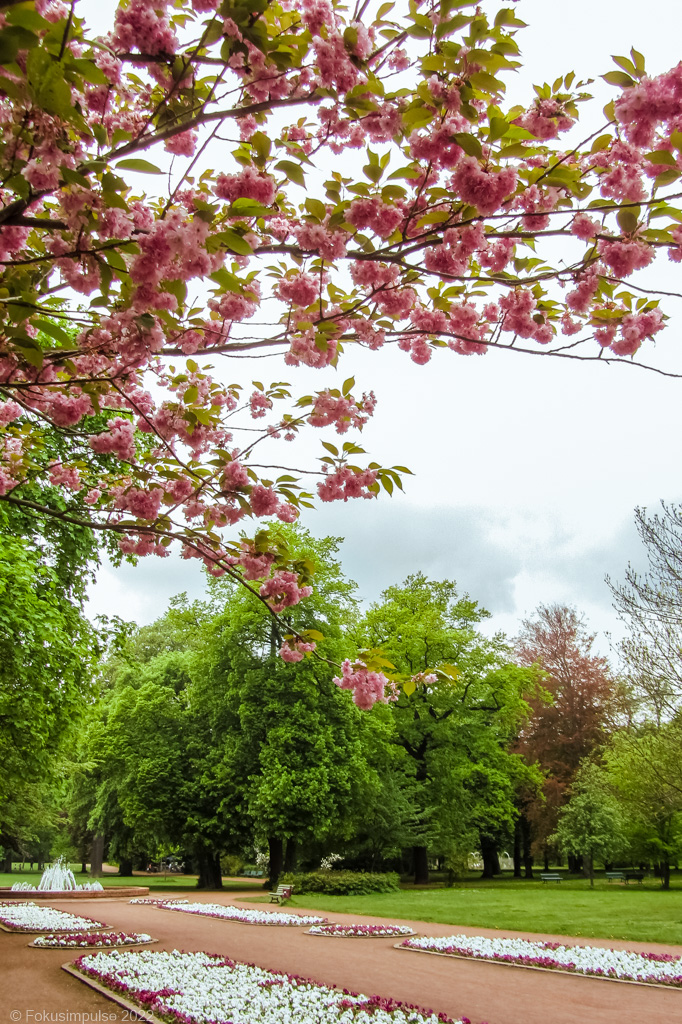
156 883
609 911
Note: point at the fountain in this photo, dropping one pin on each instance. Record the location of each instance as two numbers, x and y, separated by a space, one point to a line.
58 882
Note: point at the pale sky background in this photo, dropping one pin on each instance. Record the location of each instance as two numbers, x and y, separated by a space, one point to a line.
527 469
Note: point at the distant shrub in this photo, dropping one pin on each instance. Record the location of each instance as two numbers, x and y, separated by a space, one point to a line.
342 883
231 864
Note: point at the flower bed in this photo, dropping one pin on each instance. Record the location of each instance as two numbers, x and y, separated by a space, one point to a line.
29 917
246 916
192 988
92 940
157 903
593 961
362 931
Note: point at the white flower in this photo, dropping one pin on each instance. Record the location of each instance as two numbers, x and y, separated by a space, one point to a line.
245 916
659 968
32 917
211 988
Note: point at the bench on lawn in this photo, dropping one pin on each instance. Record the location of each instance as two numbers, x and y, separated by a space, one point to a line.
550 876
252 874
634 876
615 876
283 892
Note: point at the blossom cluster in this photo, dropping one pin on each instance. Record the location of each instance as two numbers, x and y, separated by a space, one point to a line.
595 961
31 917
361 931
228 913
190 988
444 252
78 940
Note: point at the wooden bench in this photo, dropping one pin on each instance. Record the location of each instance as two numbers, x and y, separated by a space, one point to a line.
615 876
634 876
550 876
283 892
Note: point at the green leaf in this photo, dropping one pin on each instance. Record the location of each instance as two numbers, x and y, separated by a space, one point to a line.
316 208
618 78
499 126
661 156
136 164
625 64
14 39
53 331
348 386
469 143
628 219
409 686
293 171
667 176
234 242
190 395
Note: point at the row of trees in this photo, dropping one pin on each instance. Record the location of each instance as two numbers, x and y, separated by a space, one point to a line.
195 736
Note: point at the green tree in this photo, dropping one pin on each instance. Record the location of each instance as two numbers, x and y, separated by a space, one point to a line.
455 720
48 652
645 769
591 824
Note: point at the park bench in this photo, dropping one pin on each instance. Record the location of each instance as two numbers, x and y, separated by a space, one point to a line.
615 876
634 876
550 876
283 892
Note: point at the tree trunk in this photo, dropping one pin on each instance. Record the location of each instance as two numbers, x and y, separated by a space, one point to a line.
290 855
527 855
421 865
546 854
7 864
588 868
210 876
84 867
491 861
125 867
517 848
276 850
665 875
96 856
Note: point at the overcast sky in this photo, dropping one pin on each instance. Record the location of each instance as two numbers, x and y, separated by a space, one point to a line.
527 469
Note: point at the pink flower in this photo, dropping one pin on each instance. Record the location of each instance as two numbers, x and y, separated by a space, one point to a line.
301 290
282 591
486 190
183 144
117 440
367 687
584 226
259 404
248 184
9 411
235 477
345 483
624 257
297 652
263 500
65 476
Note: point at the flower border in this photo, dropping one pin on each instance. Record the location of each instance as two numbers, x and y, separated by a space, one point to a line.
295 920
359 935
499 962
140 1012
86 949
7 926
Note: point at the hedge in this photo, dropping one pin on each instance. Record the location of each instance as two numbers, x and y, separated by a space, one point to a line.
342 883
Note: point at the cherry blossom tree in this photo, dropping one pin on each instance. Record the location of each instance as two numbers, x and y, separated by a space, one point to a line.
322 176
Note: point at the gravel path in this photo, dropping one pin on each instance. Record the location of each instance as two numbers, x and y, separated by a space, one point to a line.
35 991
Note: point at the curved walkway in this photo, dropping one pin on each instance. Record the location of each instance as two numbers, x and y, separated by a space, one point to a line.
35 991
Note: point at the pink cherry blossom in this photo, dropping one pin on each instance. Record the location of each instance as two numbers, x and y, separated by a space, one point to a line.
283 591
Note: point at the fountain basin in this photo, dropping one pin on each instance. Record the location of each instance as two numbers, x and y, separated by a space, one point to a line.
35 895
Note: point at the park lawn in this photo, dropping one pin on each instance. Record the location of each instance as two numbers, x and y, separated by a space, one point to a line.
570 908
156 883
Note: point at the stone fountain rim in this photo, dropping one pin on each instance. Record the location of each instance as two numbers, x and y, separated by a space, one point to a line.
111 892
